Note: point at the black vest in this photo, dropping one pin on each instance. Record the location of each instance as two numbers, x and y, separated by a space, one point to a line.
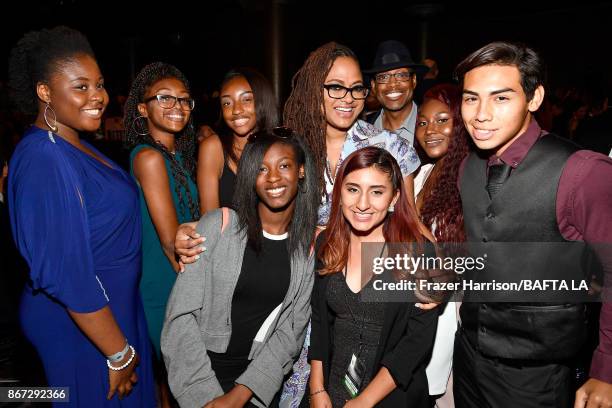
523 212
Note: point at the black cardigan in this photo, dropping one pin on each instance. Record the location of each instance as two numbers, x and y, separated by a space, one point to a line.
407 338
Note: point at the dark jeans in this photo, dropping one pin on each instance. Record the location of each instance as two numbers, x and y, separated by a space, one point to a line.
482 382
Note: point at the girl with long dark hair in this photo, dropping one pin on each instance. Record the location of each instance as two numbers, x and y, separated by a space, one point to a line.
383 346
247 104
236 319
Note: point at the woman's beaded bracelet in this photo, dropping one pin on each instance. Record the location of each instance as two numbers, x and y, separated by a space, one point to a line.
127 363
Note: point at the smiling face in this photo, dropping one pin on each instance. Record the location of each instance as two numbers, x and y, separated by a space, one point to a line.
494 106
434 128
365 199
341 114
277 182
395 95
238 106
172 120
76 93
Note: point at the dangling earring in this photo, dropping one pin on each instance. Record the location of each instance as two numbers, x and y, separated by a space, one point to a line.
53 127
391 208
139 129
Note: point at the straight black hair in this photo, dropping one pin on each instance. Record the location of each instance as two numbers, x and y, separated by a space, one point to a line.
525 59
304 219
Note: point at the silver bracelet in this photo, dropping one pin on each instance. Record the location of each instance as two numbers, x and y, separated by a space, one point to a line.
115 358
127 363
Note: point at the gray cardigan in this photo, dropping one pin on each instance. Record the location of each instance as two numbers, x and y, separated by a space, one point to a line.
198 318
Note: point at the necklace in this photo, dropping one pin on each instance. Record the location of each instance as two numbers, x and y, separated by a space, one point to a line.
331 177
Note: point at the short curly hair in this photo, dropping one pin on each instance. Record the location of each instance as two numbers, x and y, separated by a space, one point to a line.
37 55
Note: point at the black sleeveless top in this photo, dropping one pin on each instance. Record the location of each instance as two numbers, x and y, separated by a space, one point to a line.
226 185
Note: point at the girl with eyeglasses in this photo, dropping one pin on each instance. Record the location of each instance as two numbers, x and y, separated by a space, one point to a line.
236 319
247 104
75 219
160 131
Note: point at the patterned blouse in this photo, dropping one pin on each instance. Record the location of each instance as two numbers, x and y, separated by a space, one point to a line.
360 135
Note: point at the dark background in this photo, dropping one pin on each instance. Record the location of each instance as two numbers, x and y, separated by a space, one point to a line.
205 39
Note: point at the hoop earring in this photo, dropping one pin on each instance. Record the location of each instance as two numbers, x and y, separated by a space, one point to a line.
137 128
53 127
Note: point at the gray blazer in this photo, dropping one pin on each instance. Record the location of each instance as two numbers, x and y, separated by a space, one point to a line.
198 318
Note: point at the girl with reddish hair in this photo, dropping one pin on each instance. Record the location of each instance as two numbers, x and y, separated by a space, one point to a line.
366 353
443 140
443 144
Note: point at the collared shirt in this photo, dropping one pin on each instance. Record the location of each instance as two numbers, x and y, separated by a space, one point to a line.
360 135
584 213
408 126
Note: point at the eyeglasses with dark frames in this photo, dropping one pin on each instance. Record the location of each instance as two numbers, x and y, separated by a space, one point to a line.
169 101
336 91
384 78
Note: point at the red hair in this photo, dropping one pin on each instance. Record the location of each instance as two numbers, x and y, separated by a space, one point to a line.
399 226
441 199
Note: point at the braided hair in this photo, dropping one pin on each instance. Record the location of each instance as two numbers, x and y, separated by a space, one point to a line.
37 56
441 200
185 140
303 112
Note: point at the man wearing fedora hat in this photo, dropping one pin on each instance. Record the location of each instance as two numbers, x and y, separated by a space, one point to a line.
394 77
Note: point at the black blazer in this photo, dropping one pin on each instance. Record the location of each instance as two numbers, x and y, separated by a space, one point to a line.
407 338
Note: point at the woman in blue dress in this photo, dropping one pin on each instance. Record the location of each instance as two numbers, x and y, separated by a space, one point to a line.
160 131
75 219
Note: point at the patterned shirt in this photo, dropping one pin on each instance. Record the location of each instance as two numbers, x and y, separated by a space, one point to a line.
360 135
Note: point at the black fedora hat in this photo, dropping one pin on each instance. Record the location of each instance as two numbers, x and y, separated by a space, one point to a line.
393 54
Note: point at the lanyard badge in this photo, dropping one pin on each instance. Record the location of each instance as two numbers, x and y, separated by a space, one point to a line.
353 376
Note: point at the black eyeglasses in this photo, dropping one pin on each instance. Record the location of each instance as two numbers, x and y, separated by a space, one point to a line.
282 132
336 91
168 101
383 78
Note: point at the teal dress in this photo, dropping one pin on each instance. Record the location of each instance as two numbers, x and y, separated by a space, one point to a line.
157 273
